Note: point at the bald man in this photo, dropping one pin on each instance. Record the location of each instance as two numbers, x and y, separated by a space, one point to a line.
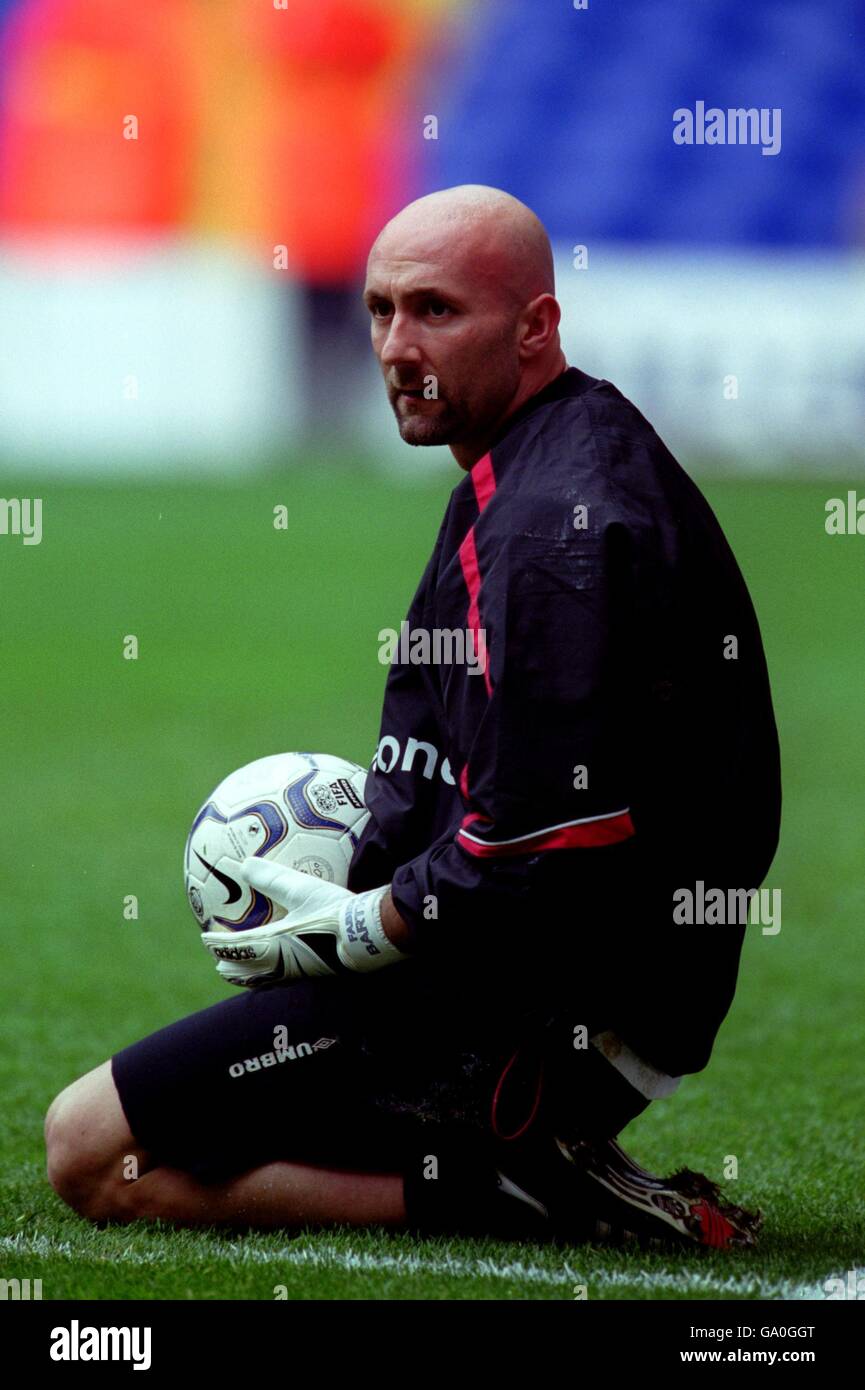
505 984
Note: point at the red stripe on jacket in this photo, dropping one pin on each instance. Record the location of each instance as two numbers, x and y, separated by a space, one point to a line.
605 830
484 482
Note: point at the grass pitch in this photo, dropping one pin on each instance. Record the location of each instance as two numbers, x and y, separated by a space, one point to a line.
252 640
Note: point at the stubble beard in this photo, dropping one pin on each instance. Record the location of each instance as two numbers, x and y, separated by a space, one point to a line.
452 421
440 426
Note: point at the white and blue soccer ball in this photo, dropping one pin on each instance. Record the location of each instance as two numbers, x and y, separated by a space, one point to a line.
302 810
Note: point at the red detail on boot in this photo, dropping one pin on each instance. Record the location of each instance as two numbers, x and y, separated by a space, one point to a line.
716 1228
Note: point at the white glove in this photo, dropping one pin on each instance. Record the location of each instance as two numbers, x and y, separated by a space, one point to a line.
323 923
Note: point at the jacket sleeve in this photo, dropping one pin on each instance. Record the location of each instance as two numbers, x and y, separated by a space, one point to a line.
544 779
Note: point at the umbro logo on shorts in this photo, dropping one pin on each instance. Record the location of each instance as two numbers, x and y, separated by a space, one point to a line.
282 1054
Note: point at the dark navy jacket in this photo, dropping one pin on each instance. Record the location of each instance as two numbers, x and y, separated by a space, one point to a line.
535 817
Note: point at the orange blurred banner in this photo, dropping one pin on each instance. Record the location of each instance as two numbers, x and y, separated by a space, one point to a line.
277 124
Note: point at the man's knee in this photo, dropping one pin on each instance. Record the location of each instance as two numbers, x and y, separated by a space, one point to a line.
91 1152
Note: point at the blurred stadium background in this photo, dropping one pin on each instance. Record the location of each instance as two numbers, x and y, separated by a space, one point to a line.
182 348
184 294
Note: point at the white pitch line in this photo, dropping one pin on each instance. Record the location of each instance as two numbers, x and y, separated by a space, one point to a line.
324 1256
321 1256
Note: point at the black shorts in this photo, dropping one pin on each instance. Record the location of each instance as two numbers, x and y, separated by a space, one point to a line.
345 1071
350 1072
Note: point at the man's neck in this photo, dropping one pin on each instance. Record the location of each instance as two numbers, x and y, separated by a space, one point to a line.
468 452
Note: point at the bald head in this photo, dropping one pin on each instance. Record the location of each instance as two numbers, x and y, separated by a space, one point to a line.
500 240
460 286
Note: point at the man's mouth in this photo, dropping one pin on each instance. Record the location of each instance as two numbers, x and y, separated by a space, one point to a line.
410 400
415 394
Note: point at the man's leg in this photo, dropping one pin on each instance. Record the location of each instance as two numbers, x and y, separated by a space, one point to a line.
247 1113
262 1111
205 1122
567 1160
93 1158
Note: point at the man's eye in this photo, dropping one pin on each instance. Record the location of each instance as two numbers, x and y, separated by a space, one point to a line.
380 310
437 308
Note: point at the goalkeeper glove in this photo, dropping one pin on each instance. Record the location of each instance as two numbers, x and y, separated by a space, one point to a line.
325 928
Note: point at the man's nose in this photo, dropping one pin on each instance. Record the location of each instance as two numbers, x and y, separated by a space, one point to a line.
399 345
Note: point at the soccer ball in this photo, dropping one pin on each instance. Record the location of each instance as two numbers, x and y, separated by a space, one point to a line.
302 810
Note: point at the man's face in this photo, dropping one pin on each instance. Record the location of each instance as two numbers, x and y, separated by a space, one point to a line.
446 343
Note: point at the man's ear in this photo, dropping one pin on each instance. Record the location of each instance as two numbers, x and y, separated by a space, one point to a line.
539 325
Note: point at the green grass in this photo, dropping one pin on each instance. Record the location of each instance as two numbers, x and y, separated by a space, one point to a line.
253 640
